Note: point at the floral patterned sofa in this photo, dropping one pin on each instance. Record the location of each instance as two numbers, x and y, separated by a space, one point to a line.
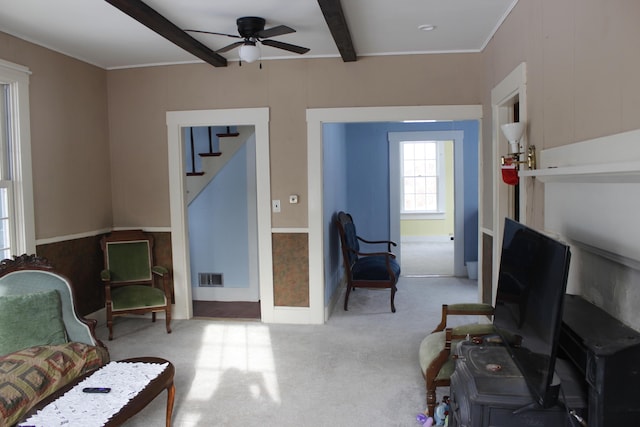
44 343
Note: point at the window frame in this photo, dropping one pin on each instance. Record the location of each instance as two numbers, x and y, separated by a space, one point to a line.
440 211
16 77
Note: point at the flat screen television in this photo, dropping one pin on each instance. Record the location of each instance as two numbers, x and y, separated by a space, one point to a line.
528 311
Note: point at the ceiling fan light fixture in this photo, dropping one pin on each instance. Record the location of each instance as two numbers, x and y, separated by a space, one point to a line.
249 52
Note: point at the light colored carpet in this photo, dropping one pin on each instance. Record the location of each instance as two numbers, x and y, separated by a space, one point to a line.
427 258
359 369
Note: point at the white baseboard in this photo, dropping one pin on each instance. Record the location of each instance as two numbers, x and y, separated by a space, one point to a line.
335 299
433 238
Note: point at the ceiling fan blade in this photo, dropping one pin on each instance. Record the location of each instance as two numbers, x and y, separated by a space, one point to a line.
161 25
275 31
285 46
229 47
214 33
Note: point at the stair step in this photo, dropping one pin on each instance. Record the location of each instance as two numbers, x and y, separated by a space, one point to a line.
227 134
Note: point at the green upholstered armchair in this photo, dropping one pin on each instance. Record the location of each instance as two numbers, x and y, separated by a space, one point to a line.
436 358
130 277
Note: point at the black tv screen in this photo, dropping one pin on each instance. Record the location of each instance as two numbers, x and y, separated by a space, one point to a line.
529 304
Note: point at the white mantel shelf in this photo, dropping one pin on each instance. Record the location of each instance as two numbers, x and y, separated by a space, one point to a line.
596 173
609 159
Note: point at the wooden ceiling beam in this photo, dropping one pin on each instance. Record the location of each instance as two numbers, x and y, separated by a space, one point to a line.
337 22
161 25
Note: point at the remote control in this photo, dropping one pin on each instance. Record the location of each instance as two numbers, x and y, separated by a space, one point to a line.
96 389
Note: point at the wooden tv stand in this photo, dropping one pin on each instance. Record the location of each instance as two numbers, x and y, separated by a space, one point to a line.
607 353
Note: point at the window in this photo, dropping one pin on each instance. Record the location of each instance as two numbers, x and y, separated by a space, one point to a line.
422 177
17 230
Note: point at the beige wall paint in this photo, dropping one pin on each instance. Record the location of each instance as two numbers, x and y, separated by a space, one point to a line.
582 83
582 74
69 140
139 98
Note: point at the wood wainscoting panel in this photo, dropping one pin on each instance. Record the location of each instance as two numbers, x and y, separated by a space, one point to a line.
81 261
290 269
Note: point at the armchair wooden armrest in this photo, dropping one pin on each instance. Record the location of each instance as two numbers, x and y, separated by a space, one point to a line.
389 243
464 309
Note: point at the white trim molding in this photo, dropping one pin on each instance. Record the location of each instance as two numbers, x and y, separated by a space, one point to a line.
316 117
503 95
17 78
176 120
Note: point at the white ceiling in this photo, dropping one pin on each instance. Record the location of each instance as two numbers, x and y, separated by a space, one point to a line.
98 33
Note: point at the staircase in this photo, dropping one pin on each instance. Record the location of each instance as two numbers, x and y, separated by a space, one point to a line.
213 151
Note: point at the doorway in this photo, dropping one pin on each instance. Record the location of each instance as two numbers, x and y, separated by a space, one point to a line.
177 121
222 218
323 281
430 244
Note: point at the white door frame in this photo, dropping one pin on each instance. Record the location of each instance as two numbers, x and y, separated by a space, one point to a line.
176 120
457 137
513 87
315 118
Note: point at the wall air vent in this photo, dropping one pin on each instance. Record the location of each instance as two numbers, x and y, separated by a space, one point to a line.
209 280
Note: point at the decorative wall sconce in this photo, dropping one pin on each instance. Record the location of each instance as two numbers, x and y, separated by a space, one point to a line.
513 132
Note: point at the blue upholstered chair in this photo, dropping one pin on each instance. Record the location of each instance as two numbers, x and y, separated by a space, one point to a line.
366 270
130 276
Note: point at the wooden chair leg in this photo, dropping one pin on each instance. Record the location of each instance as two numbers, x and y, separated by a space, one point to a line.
393 297
110 326
167 317
431 401
153 316
346 298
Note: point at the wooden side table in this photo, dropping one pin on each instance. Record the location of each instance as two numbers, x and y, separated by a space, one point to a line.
163 381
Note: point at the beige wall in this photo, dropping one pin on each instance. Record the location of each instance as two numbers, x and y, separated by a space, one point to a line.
139 98
582 73
582 83
69 140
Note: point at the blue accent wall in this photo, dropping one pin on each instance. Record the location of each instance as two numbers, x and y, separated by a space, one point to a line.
368 176
218 221
334 199
365 170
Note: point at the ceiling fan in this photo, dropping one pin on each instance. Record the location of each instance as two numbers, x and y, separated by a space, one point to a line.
251 30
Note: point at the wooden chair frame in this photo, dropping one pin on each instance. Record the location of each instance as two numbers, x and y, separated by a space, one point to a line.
43 276
112 282
447 337
351 255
